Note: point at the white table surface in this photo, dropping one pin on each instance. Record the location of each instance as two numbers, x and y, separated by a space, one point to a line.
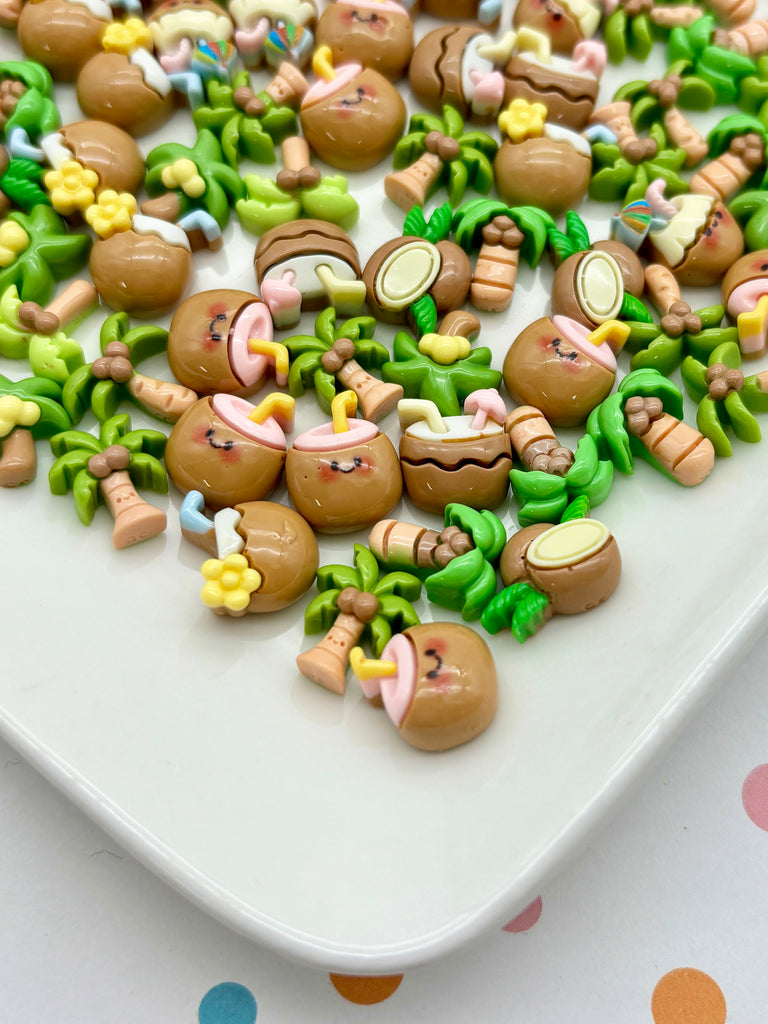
674 880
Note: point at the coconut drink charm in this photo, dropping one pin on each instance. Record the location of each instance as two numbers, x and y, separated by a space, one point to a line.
437 682
343 475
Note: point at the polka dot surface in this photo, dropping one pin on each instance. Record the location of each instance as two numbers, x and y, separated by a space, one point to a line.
688 996
366 991
228 1003
754 796
526 919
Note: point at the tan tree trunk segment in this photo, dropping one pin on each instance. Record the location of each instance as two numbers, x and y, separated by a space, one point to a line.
683 135
376 397
135 519
165 399
723 177
326 662
411 186
494 277
18 464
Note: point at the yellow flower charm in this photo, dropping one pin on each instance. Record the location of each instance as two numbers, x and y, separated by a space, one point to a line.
13 240
523 120
16 413
71 187
126 36
183 174
111 213
230 583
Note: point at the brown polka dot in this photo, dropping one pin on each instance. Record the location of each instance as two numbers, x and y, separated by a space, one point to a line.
365 991
688 996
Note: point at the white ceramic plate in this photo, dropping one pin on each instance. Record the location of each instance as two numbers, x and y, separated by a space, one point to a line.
298 817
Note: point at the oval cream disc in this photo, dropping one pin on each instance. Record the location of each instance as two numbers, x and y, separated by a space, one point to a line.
406 274
567 543
599 286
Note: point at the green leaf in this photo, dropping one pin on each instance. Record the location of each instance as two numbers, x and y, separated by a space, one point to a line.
54 356
64 471
543 511
105 399
458 178
614 33
401 584
399 613
744 424
74 440
339 576
584 464
379 633
147 473
708 422
321 613
367 567
87 495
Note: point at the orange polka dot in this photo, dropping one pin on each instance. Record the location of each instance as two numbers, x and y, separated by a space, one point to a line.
688 996
365 991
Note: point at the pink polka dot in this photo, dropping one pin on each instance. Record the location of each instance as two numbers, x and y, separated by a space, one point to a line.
527 919
754 795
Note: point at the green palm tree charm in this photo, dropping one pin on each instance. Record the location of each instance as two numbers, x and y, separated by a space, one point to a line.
37 336
353 603
501 234
30 410
655 348
617 179
447 380
197 176
726 398
246 124
101 385
36 250
548 498
437 152
108 469
338 358
299 190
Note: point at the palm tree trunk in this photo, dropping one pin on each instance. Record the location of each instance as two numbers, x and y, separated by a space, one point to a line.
723 177
683 135
326 662
18 464
135 519
493 280
164 399
412 186
679 449
376 397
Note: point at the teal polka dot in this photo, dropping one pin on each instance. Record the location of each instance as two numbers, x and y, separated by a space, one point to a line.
228 1003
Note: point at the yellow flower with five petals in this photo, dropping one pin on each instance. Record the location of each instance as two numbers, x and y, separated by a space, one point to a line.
126 36
71 187
523 120
112 212
229 583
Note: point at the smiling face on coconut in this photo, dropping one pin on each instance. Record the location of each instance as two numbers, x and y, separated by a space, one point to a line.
441 687
353 119
217 448
343 480
209 342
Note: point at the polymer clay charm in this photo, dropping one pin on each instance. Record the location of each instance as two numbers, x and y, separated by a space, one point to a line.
745 294
230 450
561 368
377 33
181 30
353 116
353 604
567 87
308 264
144 269
543 164
405 272
273 31
101 147
645 417
487 12
107 469
564 569
221 341
565 22
436 681
463 459
63 34
265 555
29 411
593 279
699 240
125 84
344 475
